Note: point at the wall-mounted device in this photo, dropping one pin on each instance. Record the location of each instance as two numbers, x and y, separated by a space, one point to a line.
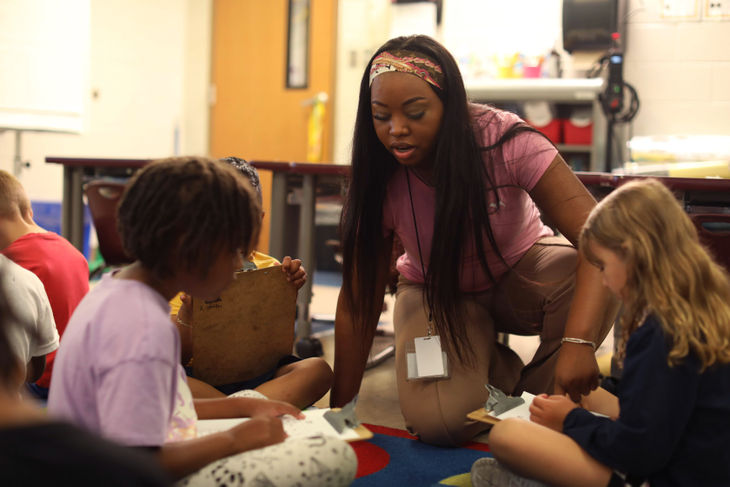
599 25
588 24
613 96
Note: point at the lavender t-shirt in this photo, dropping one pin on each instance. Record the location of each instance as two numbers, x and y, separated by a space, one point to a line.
516 224
118 366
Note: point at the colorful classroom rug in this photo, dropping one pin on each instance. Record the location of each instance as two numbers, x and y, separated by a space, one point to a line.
394 457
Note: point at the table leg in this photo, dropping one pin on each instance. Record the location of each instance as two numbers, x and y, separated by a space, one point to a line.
277 218
66 203
306 253
72 207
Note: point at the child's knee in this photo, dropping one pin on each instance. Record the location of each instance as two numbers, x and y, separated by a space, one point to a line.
318 371
502 436
324 372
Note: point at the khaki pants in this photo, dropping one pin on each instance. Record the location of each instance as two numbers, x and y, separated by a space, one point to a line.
532 299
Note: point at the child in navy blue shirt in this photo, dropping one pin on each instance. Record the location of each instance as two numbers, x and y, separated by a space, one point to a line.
670 424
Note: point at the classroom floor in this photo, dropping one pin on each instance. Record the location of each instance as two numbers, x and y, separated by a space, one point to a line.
378 399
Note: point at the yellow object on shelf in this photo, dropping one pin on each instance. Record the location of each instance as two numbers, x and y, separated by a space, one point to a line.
689 169
506 66
315 128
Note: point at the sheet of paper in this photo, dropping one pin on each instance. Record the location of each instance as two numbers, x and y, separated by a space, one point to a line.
429 361
523 410
313 424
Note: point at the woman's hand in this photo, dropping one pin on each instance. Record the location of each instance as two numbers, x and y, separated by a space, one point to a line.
576 371
295 272
551 411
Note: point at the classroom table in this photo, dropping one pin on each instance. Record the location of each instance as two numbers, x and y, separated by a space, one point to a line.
293 184
707 201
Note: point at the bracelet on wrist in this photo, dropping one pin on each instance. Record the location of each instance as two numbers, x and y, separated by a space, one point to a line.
181 322
579 341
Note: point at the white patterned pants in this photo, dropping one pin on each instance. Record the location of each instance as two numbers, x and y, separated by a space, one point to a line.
317 461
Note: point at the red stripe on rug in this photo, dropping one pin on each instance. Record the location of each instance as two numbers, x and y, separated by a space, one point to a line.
370 458
384 430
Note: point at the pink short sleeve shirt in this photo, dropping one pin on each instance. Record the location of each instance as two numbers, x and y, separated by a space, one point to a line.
515 222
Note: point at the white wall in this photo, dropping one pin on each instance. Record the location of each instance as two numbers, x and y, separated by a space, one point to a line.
44 54
148 78
479 32
681 68
362 27
150 67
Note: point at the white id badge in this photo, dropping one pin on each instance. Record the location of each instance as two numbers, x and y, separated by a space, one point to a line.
426 360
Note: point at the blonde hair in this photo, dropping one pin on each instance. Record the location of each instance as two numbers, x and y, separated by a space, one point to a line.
669 273
13 199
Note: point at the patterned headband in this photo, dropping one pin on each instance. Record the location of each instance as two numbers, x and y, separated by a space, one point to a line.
407 62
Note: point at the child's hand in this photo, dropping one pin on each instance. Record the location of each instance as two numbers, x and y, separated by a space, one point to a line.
551 411
295 272
257 433
185 313
251 407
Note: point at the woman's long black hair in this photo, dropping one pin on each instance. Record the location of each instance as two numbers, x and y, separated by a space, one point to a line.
462 185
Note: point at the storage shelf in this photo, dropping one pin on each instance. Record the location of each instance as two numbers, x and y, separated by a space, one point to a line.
543 89
584 92
573 148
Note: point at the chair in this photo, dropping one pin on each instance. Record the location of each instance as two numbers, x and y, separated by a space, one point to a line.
103 198
713 230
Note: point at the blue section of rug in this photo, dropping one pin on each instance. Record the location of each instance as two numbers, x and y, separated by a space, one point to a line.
409 462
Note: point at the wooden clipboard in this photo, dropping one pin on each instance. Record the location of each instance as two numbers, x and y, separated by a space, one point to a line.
521 411
362 434
246 331
482 416
360 430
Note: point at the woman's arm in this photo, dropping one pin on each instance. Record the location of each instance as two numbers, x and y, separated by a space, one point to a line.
352 345
182 458
566 202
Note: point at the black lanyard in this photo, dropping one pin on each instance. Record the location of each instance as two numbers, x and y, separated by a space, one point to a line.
420 253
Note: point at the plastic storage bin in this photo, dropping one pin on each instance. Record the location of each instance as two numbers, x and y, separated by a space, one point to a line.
47 214
578 128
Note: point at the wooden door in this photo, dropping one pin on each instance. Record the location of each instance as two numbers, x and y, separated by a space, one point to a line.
254 115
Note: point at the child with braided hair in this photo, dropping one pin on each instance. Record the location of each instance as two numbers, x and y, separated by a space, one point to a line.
118 370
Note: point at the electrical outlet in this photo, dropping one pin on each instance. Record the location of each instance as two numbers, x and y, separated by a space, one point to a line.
681 9
716 10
